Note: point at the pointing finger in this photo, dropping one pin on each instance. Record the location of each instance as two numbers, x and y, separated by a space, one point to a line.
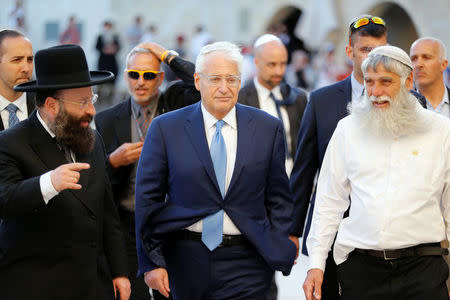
78 166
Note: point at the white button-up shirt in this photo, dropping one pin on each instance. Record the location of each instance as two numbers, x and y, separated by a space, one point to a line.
268 105
229 133
399 190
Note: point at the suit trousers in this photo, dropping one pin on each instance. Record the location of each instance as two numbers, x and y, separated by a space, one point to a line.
229 272
412 278
139 290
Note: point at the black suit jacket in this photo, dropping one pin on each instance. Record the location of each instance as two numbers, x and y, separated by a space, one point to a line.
30 108
114 124
249 96
69 248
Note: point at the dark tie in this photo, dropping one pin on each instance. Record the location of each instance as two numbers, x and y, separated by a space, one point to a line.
65 150
278 104
213 224
13 119
144 119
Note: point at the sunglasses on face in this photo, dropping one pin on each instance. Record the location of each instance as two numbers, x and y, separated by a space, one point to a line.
364 21
148 75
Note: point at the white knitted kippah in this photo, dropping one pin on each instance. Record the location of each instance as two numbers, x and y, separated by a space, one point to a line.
394 53
264 39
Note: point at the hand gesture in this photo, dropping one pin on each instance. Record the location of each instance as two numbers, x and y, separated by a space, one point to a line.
158 279
123 286
66 176
313 284
156 49
126 154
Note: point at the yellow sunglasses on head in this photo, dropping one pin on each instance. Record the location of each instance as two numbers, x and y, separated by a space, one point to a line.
366 20
147 74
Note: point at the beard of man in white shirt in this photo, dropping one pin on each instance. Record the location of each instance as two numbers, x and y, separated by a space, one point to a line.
390 157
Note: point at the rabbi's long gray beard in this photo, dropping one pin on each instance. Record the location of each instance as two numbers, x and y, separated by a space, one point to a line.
399 118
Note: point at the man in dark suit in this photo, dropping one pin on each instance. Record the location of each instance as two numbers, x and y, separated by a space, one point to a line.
281 100
429 61
60 234
212 195
325 108
16 66
269 93
123 135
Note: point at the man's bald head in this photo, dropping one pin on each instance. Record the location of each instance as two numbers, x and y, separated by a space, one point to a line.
270 60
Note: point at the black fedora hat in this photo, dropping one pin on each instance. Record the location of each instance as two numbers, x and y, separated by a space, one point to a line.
63 67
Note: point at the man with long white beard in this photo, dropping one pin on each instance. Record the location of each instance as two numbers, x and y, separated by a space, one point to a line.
391 158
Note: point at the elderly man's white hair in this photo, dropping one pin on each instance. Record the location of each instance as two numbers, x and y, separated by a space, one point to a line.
392 58
232 51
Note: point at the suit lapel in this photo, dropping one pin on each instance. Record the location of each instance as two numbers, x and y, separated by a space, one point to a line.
44 145
122 125
344 100
252 99
195 129
30 103
84 182
246 129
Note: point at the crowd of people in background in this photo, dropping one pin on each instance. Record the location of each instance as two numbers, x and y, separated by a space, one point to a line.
150 207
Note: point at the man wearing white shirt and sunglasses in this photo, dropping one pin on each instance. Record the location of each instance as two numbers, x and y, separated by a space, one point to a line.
125 125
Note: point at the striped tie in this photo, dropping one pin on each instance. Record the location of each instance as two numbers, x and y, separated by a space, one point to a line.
13 119
144 119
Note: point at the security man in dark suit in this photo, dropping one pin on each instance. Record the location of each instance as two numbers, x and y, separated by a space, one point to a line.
124 127
16 66
268 92
60 235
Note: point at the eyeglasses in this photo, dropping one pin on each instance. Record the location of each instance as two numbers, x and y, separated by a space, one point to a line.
148 75
84 103
216 80
366 20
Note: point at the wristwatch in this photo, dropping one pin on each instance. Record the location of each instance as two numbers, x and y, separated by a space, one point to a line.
169 54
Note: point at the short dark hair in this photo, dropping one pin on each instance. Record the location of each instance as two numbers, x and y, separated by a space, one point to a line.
8 33
41 96
371 29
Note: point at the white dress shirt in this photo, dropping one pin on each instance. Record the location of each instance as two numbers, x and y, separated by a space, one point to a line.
443 108
229 133
267 104
45 182
21 113
399 190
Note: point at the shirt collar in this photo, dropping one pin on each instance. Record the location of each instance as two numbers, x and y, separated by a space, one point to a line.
445 98
210 120
44 124
357 88
20 102
264 93
136 107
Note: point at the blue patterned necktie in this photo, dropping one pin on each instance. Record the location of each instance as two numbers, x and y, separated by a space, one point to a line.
213 224
13 119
